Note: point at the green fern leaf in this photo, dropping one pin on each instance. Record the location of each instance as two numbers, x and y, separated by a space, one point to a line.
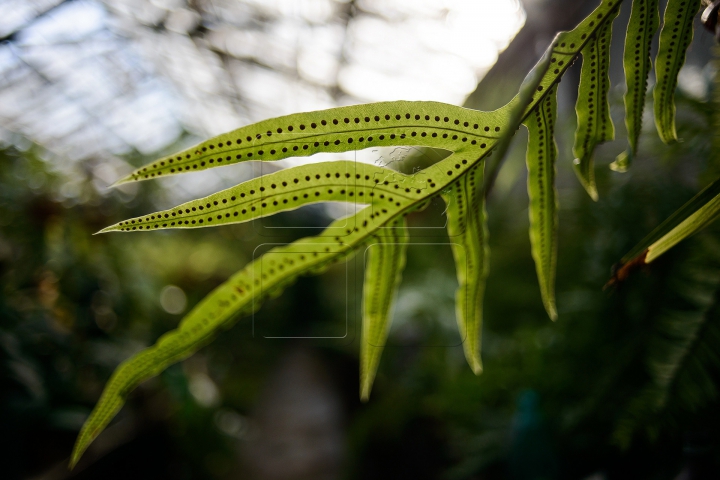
467 229
695 215
389 196
593 109
387 193
429 124
385 262
241 294
289 189
541 155
675 37
644 20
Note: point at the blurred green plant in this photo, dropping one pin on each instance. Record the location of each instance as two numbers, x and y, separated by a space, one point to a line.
389 196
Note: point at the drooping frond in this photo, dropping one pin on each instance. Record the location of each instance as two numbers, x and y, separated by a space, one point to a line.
467 229
593 109
242 294
541 155
675 37
385 256
637 64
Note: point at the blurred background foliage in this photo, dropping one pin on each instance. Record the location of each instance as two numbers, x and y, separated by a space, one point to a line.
623 385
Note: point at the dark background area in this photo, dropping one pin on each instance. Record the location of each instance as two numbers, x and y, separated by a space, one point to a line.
623 385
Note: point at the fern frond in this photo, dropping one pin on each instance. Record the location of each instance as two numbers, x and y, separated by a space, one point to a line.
644 21
467 229
696 214
704 212
675 37
343 129
469 135
593 109
289 189
383 271
243 293
541 155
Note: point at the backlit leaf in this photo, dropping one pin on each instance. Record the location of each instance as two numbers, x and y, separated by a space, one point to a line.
541 155
470 136
695 215
287 190
385 262
593 110
243 293
643 23
343 129
467 229
675 37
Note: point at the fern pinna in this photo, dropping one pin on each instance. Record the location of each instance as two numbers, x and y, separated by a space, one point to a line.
388 196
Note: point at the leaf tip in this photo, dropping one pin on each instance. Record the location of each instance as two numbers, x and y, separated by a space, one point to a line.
665 128
80 447
622 162
583 170
121 181
111 228
669 139
551 309
477 367
365 392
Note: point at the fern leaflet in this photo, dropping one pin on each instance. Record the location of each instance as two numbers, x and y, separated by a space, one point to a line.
385 262
541 155
675 37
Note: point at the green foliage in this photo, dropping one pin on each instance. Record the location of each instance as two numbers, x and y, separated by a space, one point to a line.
675 37
388 196
385 262
637 64
593 109
341 129
542 153
696 214
467 229
681 354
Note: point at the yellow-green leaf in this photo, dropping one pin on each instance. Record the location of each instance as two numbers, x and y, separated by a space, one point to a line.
641 28
287 190
695 215
541 155
383 271
675 37
241 294
593 110
467 229
469 135
343 129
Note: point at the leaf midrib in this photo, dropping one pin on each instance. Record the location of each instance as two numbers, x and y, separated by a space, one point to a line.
185 161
